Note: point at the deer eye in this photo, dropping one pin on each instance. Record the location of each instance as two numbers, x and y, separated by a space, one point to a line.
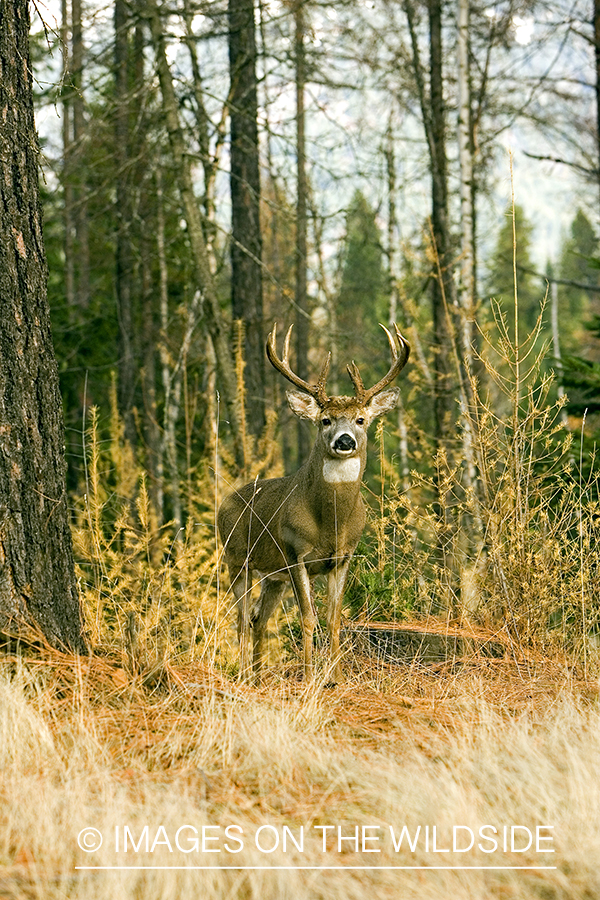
360 420
325 421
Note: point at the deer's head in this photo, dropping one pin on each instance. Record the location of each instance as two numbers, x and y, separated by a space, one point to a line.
342 421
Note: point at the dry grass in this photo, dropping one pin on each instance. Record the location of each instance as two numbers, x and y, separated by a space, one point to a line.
510 741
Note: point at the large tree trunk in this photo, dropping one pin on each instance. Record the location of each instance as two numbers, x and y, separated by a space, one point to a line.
37 580
246 242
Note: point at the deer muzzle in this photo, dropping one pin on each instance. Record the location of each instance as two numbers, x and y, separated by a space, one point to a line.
343 444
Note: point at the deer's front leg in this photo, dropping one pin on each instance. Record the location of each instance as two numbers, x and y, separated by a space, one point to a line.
301 585
336 583
242 587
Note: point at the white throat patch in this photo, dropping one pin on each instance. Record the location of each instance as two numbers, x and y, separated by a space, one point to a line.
338 471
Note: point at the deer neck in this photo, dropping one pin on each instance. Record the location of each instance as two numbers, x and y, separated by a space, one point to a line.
324 476
340 472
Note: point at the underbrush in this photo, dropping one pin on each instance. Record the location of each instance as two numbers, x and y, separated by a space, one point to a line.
501 531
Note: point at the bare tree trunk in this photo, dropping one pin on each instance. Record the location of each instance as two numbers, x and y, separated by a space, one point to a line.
329 309
168 449
596 17
210 306
209 159
443 284
82 292
394 305
37 577
301 294
556 351
443 293
465 155
67 138
149 342
144 212
246 241
163 348
467 289
124 217
434 120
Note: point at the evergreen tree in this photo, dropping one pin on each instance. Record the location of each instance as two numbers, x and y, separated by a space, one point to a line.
580 319
363 295
576 305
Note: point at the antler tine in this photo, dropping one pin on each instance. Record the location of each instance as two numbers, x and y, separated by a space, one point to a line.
283 365
355 377
321 394
400 354
286 343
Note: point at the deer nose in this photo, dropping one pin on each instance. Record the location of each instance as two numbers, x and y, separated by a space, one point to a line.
344 442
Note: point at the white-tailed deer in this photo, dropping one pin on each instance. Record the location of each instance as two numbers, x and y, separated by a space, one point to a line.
309 523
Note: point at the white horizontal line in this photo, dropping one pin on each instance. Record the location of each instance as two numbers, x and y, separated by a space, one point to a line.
319 868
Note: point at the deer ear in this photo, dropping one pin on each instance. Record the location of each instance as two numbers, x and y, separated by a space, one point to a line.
303 405
382 403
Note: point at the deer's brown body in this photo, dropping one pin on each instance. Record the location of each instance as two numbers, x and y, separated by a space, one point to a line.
309 523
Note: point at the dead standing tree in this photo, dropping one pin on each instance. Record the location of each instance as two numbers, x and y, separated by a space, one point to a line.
246 238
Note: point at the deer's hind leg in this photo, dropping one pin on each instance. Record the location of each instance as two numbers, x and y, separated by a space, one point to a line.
270 598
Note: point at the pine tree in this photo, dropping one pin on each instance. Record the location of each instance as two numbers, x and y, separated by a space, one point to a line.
363 295
577 306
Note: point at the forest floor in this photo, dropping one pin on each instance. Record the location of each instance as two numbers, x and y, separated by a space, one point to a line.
476 778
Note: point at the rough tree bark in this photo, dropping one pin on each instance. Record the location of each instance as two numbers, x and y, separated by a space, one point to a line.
246 242
37 580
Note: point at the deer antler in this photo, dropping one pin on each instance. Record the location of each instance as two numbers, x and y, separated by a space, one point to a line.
400 354
282 365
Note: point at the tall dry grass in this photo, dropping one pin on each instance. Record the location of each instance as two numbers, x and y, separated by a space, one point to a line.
85 746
